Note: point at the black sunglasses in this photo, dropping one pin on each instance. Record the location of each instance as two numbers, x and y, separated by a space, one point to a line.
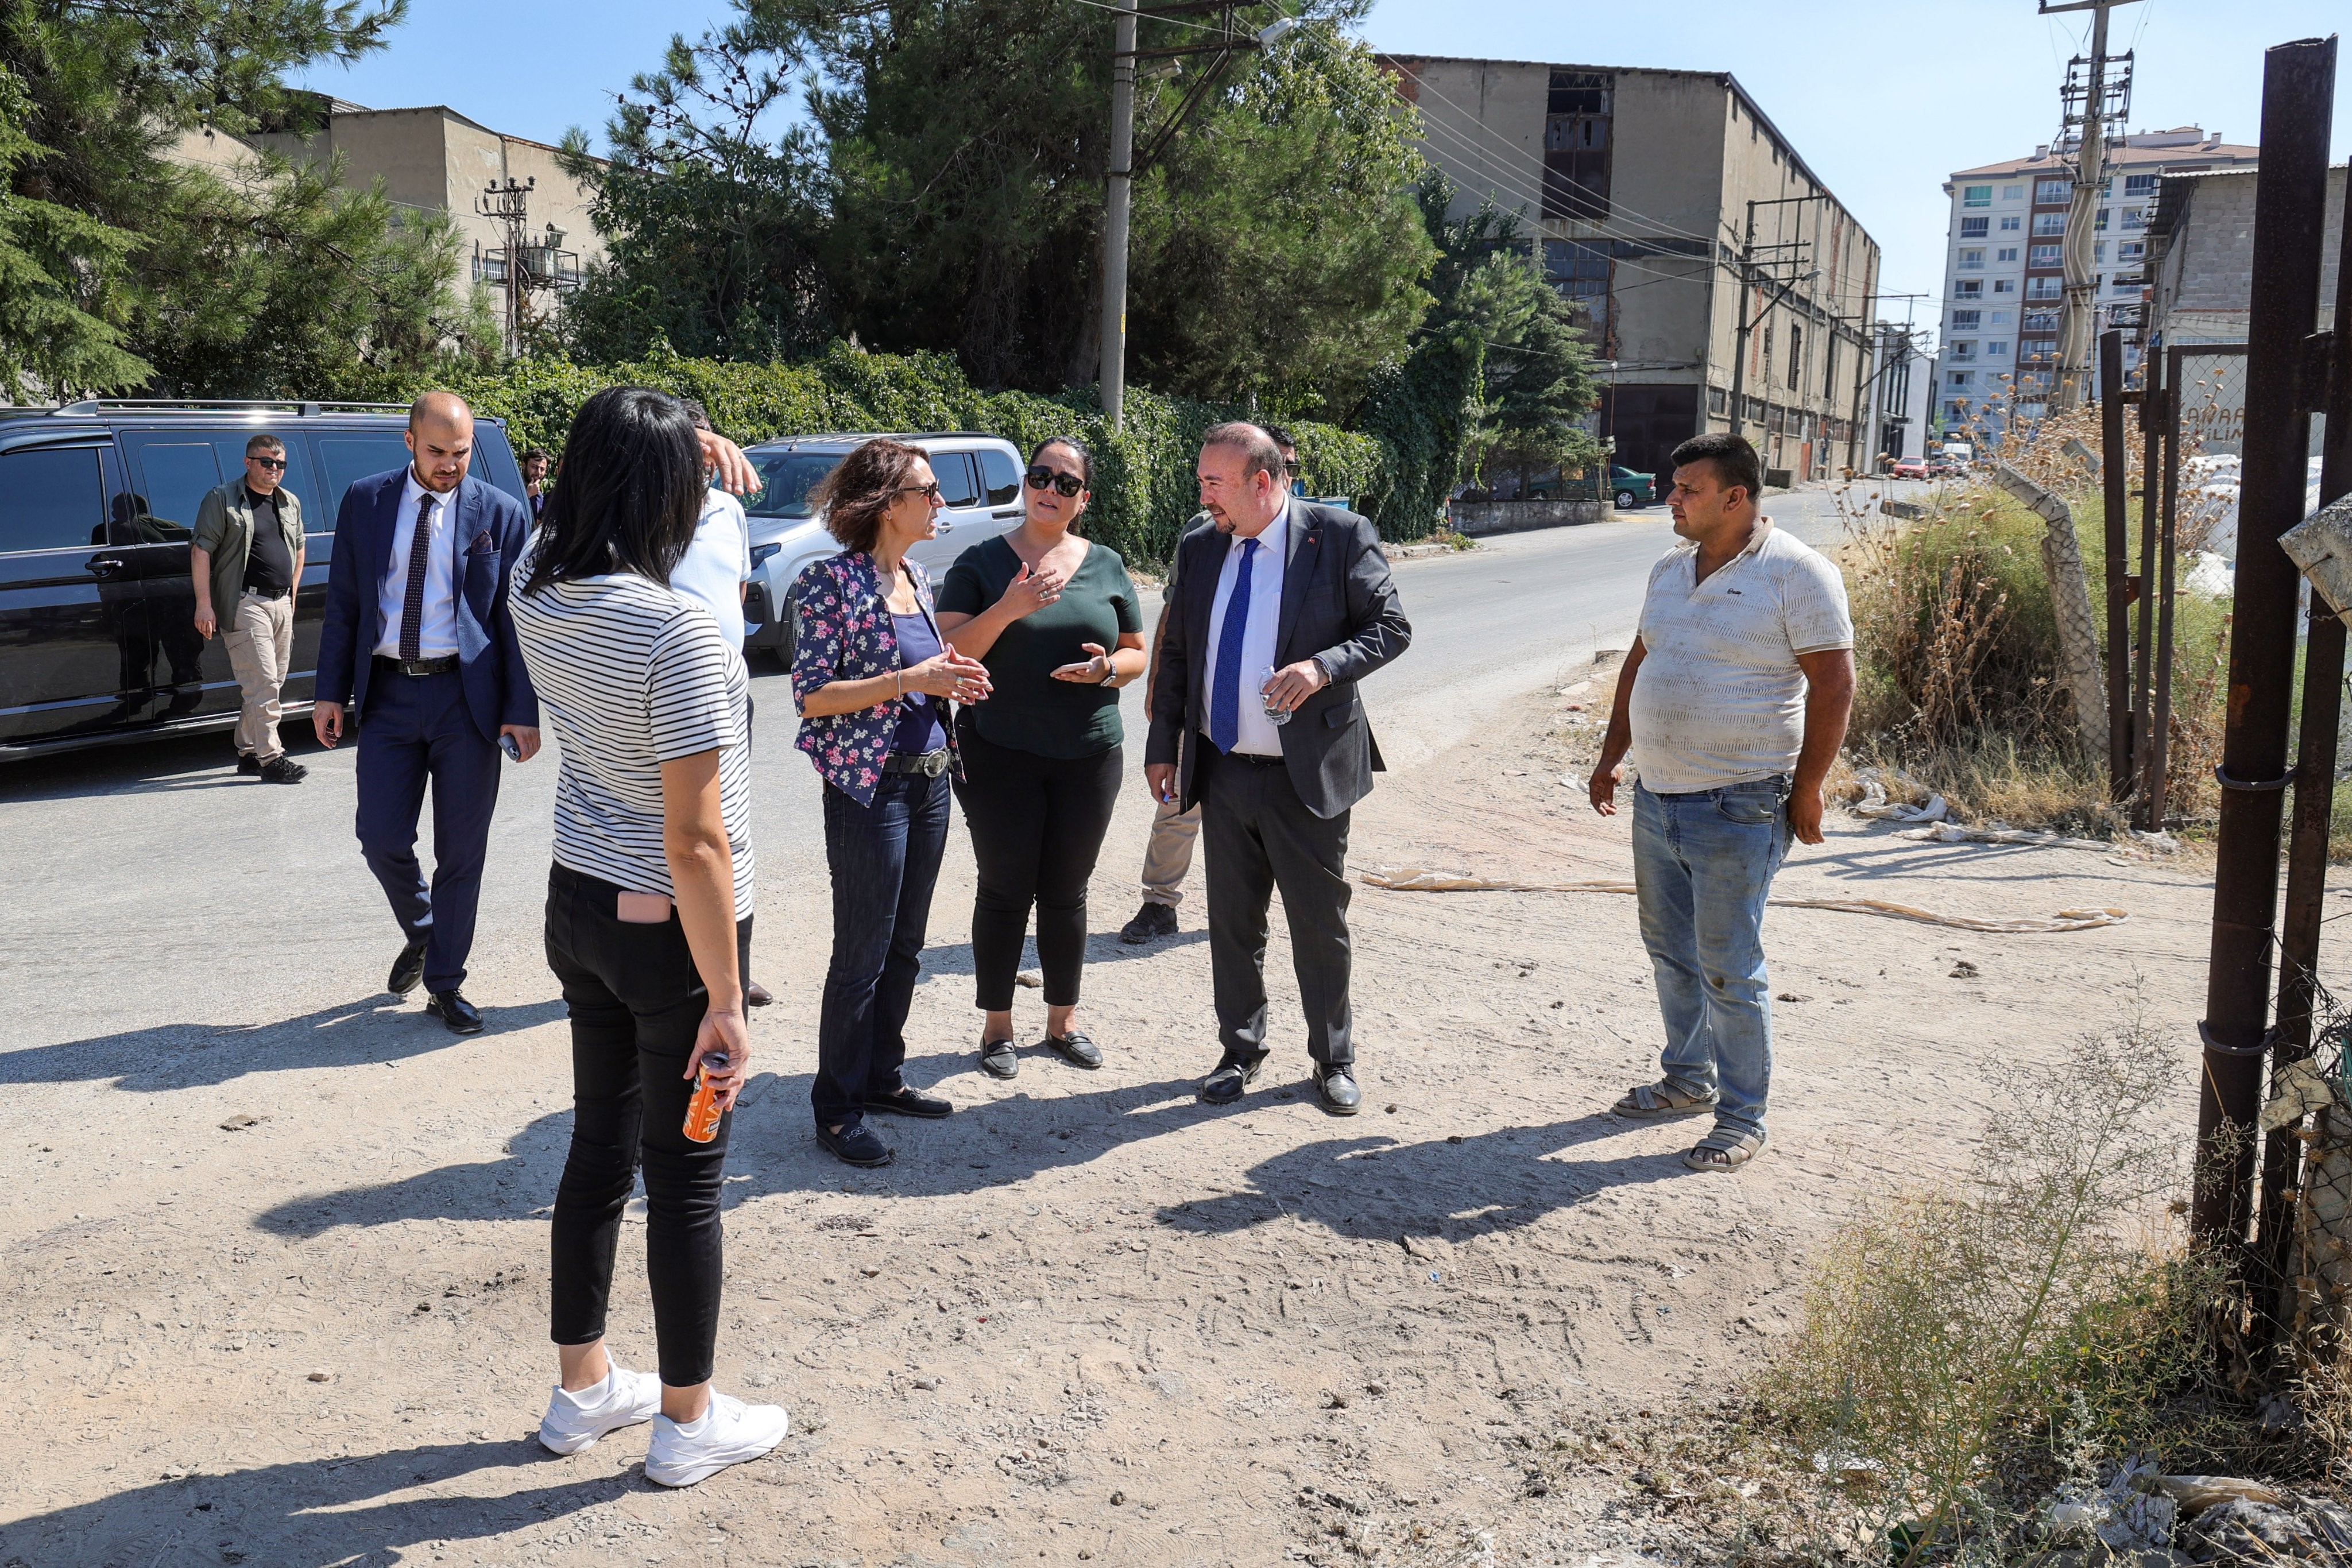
930 490
1291 468
1043 479
268 462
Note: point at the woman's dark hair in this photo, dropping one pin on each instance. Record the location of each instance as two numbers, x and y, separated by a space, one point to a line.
629 492
1086 458
860 489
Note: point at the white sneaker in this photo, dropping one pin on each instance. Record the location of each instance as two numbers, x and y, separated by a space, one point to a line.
575 1421
728 1433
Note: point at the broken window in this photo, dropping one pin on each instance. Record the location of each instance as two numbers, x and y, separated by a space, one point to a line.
1576 145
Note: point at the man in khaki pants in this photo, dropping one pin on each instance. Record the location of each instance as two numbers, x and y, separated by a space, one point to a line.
247 563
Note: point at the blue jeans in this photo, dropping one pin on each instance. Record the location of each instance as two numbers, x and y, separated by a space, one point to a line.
1704 864
885 860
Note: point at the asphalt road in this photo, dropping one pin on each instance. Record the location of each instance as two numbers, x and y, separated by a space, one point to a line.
149 886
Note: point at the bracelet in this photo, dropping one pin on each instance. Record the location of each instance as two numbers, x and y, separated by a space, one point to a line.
1110 672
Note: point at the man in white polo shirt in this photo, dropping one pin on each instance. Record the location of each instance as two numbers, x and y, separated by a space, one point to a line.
1732 705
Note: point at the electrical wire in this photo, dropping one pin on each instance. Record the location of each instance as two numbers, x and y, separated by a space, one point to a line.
1171 21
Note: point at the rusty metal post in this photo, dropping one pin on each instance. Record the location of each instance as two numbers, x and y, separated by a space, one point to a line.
2314 804
2290 206
2116 482
2152 399
2168 547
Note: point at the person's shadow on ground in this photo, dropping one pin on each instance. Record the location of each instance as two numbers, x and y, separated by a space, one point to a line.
380 1028
301 1514
1364 1185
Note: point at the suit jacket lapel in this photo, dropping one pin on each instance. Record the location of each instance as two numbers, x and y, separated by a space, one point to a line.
1298 565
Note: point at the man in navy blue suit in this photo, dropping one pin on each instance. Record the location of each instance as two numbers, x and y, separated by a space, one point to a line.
418 655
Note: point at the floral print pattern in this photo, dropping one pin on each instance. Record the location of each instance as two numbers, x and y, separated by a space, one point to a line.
843 633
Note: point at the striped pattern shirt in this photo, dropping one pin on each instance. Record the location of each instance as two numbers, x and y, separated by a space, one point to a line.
630 675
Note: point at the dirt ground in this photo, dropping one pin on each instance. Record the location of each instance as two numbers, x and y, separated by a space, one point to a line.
1087 1318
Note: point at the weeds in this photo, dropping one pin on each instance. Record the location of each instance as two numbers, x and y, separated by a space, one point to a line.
1966 1344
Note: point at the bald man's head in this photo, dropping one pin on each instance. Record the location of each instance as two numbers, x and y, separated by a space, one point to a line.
441 437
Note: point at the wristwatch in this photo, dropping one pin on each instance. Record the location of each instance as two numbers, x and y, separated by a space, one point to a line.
1111 672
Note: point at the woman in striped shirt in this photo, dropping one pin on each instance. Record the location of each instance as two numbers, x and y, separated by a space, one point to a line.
646 702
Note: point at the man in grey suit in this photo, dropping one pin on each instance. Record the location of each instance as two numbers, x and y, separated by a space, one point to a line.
1276 613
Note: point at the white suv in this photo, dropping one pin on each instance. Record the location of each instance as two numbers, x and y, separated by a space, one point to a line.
980 481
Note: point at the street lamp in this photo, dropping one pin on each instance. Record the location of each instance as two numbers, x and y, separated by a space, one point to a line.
1123 163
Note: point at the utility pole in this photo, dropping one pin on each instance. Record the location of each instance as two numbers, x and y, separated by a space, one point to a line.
1123 163
1115 217
2090 175
1747 279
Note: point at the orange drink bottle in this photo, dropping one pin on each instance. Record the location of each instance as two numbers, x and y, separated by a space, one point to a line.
702 1111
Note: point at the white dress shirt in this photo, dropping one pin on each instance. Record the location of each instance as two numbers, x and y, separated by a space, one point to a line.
1257 735
717 564
438 628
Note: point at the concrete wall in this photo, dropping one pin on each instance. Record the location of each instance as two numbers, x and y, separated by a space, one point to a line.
436 159
1666 180
1480 519
2205 279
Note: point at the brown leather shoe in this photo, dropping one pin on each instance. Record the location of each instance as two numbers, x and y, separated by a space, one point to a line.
756 994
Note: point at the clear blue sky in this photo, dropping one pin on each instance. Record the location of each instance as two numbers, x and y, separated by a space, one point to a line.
1882 99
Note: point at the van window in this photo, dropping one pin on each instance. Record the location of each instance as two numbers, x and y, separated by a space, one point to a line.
174 475
1001 474
959 483
55 501
347 457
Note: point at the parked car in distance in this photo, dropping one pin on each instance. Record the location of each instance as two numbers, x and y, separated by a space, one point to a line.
98 638
1628 488
1909 468
980 482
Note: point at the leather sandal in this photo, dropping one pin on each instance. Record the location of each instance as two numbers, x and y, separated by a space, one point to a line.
1663 1099
1725 1149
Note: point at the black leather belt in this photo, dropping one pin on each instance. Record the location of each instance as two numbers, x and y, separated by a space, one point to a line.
442 666
929 764
1251 758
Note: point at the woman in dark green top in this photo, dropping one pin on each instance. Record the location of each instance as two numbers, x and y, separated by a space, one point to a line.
1055 620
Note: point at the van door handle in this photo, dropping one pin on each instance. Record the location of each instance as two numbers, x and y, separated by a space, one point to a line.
104 565
1007 512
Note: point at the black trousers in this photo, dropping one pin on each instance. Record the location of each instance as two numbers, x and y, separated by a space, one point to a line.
1260 836
635 1002
1037 825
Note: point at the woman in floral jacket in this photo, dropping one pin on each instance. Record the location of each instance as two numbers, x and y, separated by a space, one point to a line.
872 676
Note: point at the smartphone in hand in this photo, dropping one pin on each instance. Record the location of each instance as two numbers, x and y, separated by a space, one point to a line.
513 748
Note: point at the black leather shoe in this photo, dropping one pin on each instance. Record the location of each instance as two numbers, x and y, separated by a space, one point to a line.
997 1059
1225 1086
407 970
855 1145
1152 921
452 1009
1075 1048
283 770
910 1103
756 995
248 764
1338 1087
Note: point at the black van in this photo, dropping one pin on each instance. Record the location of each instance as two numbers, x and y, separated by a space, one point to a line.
98 637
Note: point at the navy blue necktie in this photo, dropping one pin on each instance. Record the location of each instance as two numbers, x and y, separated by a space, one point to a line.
1225 689
412 603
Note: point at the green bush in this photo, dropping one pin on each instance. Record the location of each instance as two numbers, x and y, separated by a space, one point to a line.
1144 488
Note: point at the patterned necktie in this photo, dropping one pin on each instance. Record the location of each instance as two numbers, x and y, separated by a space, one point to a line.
1225 689
412 605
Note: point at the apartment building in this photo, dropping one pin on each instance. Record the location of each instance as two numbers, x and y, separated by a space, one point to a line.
1639 183
2004 275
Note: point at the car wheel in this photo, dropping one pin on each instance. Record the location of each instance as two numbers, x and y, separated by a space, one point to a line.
790 626
1625 500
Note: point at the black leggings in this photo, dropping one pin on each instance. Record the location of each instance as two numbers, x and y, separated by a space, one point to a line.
1037 823
635 1002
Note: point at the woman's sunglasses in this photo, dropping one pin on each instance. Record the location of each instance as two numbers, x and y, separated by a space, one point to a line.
929 491
1044 478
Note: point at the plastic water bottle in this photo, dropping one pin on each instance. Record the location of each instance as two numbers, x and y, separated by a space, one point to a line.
1275 714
